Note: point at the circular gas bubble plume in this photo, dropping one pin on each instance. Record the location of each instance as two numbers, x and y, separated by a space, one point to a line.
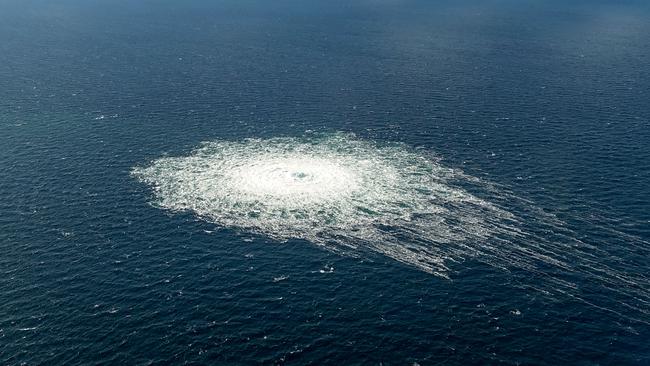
346 194
353 196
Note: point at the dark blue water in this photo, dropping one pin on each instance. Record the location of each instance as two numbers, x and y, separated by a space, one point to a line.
546 99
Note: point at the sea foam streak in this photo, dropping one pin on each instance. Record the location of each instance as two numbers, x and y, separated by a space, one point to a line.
352 196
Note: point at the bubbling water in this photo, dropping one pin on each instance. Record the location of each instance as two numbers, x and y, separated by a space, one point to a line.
343 193
355 196
294 179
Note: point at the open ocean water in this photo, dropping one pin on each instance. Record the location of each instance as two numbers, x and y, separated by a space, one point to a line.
325 182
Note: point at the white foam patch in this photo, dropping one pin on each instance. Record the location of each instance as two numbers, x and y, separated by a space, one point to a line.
337 191
353 196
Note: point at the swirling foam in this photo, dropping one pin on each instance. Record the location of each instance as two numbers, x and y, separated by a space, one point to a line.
352 196
337 191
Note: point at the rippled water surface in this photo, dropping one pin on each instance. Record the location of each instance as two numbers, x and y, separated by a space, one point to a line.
340 182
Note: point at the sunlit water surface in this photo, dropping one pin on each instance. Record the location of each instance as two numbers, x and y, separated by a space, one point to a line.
324 182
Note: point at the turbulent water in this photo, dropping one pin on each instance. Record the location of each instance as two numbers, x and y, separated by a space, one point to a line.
353 196
343 193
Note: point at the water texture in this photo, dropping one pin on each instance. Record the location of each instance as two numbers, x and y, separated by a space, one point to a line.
328 182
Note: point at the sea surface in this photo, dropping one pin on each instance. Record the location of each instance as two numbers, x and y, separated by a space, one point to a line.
494 155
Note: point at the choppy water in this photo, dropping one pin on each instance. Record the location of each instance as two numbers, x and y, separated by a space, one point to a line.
329 183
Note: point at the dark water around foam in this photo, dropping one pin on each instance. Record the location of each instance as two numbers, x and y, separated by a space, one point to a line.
545 98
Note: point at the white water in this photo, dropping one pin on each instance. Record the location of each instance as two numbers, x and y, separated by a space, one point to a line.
353 196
